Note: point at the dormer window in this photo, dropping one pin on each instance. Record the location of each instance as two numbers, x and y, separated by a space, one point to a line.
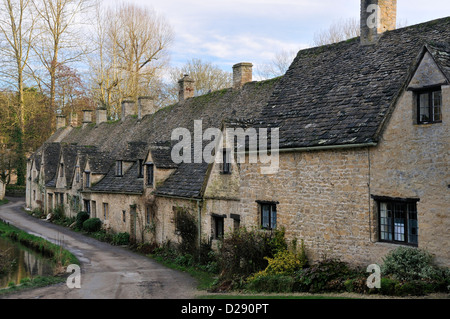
140 168
226 166
429 106
77 174
87 179
150 174
61 170
119 168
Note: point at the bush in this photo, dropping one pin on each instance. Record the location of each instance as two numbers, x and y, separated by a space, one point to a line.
409 264
242 252
81 218
284 263
121 239
92 225
327 275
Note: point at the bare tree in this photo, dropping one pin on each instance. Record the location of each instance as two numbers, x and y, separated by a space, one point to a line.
59 26
132 49
17 24
277 66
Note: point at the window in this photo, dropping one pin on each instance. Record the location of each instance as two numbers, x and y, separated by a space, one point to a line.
88 179
268 215
150 173
105 211
140 169
87 206
226 166
61 170
94 209
34 195
119 168
218 224
77 175
397 221
124 216
429 106
148 215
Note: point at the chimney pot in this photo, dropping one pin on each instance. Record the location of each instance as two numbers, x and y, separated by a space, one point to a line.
127 109
242 73
60 121
101 115
187 88
146 106
377 17
87 117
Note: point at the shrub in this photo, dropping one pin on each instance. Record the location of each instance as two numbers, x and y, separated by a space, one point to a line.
81 218
92 225
242 252
121 239
324 276
186 227
409 264
285 263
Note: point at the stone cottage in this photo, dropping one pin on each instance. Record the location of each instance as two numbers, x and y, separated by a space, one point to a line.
362 162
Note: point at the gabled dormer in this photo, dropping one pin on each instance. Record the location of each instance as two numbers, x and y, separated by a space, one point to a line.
429 76
157 165
61 174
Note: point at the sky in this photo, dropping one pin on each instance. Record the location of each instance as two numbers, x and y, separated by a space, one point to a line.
226 32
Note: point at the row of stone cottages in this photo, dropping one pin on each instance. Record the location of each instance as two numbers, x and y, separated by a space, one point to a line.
363 154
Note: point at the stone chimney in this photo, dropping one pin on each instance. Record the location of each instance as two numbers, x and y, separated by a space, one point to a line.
187 88
146 106
127 109
242 73
101 115
60 121
377 17
87 117
73 119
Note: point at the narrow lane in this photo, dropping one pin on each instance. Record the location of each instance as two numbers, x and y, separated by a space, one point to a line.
107 272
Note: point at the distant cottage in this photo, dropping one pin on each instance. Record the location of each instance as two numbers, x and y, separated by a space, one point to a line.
364 142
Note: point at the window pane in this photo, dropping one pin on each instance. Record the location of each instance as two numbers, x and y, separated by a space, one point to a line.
424 108
437 103
273 217
413 225
265 216
385 221
399 222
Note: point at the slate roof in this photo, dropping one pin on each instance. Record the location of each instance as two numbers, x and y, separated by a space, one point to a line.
51 153
341 94
129 183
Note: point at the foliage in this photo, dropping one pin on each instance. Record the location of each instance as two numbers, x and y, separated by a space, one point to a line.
405 263
242 252
92 225
121 239
81 218
320 276
273 283
186 227
284 263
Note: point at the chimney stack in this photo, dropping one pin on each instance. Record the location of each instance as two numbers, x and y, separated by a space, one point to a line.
146 106
377 17
242 73
87 117
60 121
127 109
101 115
187 88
